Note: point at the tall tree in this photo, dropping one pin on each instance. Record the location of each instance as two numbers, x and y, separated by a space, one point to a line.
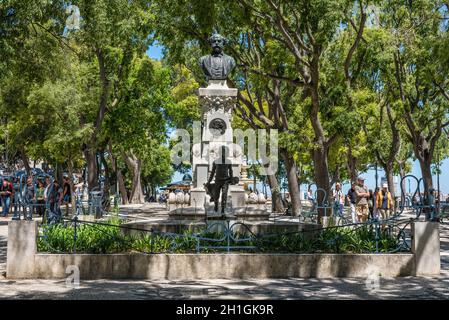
416 31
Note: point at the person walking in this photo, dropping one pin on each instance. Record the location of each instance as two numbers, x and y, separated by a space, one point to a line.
339 200
384 202
352 199
362 200
6 192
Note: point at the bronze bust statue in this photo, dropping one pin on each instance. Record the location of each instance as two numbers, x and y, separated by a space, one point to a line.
217 65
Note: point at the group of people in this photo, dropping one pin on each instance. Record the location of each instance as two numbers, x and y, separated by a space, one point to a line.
35 195
364 203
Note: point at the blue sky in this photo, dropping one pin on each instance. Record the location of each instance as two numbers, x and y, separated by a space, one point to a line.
155 52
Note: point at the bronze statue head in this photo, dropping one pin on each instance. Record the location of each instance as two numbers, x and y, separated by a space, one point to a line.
217 43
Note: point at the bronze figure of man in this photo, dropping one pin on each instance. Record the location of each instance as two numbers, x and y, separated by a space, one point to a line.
217 65
222 171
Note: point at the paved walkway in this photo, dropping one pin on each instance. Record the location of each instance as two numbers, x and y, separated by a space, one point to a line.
383 288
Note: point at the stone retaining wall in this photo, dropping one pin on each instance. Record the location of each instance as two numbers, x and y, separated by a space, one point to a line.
23 262
222 266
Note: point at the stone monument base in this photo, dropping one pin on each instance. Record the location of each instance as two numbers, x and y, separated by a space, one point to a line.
252 213
187 213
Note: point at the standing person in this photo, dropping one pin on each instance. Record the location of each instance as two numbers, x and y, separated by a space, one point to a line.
384 202
29 198
339 200
352 199
371 201
55 198
310 194
362 199
47 188
67 194
375 208
6 192
40 201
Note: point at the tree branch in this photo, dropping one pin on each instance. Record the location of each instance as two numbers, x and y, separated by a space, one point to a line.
355 44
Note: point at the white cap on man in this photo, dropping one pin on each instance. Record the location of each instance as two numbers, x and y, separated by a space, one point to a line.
385 185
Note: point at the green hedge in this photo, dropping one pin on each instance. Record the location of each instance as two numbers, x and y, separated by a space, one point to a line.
101 239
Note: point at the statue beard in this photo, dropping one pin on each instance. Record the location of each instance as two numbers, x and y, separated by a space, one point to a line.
217 50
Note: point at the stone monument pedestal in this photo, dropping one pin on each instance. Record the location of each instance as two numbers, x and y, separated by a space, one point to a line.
197 198
217 103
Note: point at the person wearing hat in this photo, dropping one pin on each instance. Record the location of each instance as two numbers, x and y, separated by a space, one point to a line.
384 202
362 200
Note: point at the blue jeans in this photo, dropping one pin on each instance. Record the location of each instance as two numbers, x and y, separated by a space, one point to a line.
338 209
28 210
5 205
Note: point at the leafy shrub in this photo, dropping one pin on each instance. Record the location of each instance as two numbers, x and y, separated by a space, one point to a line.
101 239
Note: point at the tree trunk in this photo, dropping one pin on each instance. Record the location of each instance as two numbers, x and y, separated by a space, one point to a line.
426 172
120 180
92 168
293 186
134 166
322 143
72 186
276 200
107 183
122 187
424 152
321 177
352 164
389 173
59 173
403 186
25 161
